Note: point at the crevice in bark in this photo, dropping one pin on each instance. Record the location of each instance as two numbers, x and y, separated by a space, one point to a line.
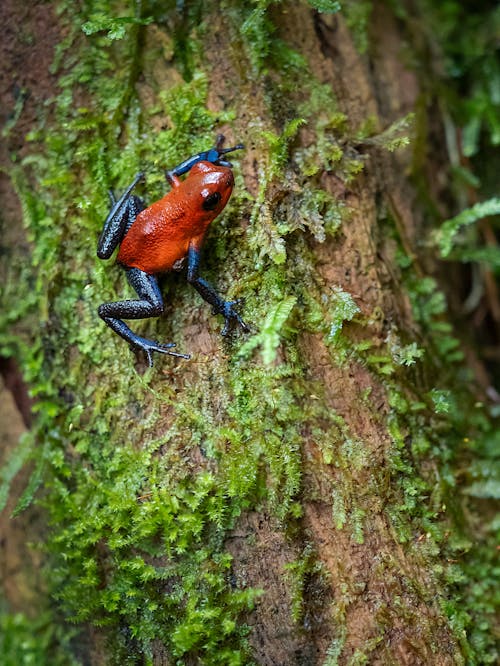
14 383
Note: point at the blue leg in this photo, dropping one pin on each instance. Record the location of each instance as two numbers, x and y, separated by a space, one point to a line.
149 305
208 293
121 216
213 155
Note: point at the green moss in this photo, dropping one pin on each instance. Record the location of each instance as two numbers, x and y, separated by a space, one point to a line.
358 13
268 337
335 650
39 641
446 236
394 137
137 538
328 6
137 532
299 574
471 69
435 429
343 308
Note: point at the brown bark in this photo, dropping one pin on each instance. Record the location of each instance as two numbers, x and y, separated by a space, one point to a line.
362 264
29 36
379 597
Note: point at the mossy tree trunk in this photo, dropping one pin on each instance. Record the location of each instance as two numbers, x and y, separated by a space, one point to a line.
286 497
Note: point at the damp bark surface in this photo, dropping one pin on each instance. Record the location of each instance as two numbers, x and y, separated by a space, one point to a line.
313 425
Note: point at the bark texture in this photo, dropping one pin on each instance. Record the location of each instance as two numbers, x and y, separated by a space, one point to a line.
300 464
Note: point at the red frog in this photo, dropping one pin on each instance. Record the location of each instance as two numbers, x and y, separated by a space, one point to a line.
158 238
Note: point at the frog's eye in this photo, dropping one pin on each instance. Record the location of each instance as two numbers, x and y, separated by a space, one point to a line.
210 202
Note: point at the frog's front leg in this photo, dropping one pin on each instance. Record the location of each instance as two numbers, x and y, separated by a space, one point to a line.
208 293
150 304
215 155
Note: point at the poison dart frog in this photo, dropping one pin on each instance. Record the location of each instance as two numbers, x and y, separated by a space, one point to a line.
158 238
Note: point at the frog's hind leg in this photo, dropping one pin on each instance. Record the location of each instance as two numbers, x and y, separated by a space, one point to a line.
150 304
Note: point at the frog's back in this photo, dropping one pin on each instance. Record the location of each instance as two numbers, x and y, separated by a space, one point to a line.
160 235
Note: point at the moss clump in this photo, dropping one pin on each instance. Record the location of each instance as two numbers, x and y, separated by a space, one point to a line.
40 641
138 532
300 573
435 434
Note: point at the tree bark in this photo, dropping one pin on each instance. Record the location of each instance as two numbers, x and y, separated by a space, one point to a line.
309 461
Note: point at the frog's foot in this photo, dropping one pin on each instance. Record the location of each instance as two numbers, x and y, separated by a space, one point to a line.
232 317
149 346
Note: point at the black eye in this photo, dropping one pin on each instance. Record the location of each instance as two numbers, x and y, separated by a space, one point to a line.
211 201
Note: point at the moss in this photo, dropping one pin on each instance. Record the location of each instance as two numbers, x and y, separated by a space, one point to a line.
446 236
299 575
137 532
394 137
358 15
434 428
471 70
137 538
41 641
110 521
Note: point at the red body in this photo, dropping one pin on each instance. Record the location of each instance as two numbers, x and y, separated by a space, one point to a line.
162 233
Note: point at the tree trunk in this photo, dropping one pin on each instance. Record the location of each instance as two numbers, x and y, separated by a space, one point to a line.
287 496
